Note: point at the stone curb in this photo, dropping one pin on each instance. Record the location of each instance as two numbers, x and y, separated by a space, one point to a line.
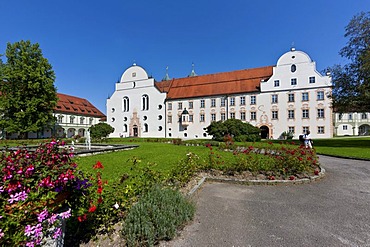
255 182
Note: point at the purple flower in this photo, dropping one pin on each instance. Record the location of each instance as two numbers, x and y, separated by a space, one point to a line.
28 231
43 215
57 233
22 196
1 233
38 230
66 214
30 244
12 199
52 219
1 189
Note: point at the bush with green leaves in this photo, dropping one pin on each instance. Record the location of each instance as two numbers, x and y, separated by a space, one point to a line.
157 216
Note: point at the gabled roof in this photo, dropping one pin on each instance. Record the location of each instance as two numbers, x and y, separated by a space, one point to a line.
74 105
234 82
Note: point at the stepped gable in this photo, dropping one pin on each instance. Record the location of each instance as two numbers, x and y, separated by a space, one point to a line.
74 105
226 83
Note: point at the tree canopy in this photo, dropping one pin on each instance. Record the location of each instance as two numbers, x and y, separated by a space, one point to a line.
235 128
28 94
100 130
351 82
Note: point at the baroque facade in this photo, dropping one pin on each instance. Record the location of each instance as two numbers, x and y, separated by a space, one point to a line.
291 96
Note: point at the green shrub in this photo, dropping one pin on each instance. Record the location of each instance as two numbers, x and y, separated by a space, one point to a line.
156 216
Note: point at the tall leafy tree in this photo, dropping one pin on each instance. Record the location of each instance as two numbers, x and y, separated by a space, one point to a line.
28 94
351 82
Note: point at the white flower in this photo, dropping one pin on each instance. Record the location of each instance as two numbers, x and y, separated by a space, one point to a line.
116 206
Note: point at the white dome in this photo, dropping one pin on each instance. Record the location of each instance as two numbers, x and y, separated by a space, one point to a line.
134 73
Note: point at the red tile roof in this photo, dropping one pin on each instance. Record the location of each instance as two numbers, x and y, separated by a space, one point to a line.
74 105
234 82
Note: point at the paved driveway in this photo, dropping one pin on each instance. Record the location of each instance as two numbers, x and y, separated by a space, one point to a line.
334 211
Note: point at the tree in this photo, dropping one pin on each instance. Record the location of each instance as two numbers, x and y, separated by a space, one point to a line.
28 94
351 82
236 128
100 130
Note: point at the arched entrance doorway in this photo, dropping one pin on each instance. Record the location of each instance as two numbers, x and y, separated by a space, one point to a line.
364 130
264 132
135 130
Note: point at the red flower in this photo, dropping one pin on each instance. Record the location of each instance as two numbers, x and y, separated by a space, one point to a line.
98 165
291 177
316 172
82 218
100 200
92 209
100 190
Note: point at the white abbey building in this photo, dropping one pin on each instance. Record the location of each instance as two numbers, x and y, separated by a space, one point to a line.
291 96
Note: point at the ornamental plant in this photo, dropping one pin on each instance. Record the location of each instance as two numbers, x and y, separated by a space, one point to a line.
36 188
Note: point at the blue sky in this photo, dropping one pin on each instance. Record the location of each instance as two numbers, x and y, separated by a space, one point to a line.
91 43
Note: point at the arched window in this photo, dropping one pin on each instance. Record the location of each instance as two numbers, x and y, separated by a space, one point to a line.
125 128
125 104
146 128
145 102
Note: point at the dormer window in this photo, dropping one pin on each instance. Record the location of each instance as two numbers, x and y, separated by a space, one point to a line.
293 68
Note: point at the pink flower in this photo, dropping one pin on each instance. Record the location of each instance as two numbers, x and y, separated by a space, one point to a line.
57 233
66 214
1 233
43 215
52 219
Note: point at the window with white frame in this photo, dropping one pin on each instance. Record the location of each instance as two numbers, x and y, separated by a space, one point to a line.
345 127
305 113
223 116
291 129
276 83
125 128
305 96
202 117
71 119
60 119
82 120
213 102
179 105
364 115
350 116
253 115
232 101
191 118
223 102
291 97
169 119
145 102
242 116
291 114
320 95
242 100
253 100
190 104
293 81
91 120
312 79
125 104
320 113
274 115
320 130
274 98
202 103
232 115
169 106
146 127
213 117
305 129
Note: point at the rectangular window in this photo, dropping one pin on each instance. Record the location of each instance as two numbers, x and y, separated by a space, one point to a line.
320 95
213 117
274 114
304 96
320 130
293 81
223 102
169 119
253 100
169 106
291 114
223 117
274 98
364 115
305 129
350 116
276 83
232 115
202 118
305 113
213 102
82 120
191 105
242 100
312 79
179 106
232 101
291 97
60 119
291 129
91 121
202 103
345 127
72 119
253 115
320 113
191 118
242 116
340 116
